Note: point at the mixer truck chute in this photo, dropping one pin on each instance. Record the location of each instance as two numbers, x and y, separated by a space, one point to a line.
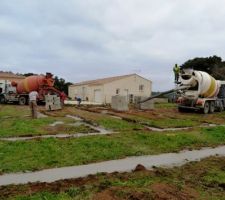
18 92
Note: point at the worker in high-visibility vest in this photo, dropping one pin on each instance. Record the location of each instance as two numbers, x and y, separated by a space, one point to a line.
176 70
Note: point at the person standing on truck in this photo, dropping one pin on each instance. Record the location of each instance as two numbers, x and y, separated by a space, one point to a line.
176 70
33 95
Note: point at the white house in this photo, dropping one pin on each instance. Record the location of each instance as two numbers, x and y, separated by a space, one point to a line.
102 90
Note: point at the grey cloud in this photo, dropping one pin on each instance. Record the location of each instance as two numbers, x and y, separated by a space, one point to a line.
86 39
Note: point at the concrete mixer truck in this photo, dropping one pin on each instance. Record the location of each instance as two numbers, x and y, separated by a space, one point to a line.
18 92
200 92
197 90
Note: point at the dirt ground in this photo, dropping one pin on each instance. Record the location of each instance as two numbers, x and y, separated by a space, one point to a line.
180 183
135 115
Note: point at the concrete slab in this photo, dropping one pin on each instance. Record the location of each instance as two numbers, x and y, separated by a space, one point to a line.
119 103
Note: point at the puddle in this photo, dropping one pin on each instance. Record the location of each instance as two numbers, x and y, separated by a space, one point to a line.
122 165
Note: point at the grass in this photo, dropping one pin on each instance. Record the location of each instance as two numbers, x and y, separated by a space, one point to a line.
48 153
118 124
165 105
12 110
168 123
20 126
202 180
15 121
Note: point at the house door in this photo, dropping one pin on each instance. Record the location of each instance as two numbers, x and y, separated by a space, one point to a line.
98 96
126 93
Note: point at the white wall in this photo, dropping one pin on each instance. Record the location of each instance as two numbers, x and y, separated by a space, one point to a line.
128 85
84 91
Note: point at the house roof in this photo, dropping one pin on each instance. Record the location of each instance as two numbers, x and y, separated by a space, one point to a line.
103 80
10 75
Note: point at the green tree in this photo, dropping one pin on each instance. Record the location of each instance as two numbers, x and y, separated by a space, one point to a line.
61 84
212 65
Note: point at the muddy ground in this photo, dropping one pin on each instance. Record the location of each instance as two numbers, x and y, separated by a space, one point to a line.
196 180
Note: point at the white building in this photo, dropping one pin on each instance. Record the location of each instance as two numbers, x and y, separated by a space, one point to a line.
102 90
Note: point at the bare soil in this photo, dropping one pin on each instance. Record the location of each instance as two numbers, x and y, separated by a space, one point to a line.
179 183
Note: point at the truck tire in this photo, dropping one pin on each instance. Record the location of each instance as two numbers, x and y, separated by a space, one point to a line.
206 108
22 100
2 100
212 107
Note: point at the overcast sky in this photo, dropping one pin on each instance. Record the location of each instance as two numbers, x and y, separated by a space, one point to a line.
88 39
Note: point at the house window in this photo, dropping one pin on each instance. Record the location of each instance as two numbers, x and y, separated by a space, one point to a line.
141 87
117 91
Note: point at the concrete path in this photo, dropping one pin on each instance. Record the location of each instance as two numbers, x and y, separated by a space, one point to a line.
121 165
182 128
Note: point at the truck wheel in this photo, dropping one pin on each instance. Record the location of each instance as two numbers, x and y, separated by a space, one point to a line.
206 108
22 100
212 107
2 100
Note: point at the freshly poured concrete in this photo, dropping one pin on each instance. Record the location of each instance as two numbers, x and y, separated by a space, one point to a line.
101 131
181 128
121 165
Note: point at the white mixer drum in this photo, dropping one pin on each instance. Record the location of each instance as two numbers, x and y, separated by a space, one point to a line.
206 84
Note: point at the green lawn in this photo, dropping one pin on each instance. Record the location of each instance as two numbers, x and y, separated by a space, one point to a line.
16 121
48 153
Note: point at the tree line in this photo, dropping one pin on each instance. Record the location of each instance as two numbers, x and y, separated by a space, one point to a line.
213 65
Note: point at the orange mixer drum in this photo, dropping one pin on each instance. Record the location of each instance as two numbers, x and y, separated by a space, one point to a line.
33 83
